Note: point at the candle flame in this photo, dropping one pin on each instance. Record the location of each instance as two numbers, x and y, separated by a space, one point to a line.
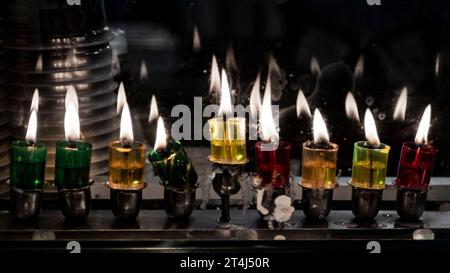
215 76
424 126
154 113
269 131
35 101
359 67
32 127
255 97
371 129
320 131
121 98
143 74
161 137
314 66
126 127
351 107
71 122
225 97
302 105
400 107
71 96
196 44
39 64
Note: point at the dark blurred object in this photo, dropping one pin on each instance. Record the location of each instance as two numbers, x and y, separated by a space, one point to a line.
4 115
51 45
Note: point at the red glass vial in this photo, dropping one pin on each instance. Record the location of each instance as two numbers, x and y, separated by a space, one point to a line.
273 165
416 165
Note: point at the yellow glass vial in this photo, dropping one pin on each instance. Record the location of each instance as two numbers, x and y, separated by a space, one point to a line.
369 165
126 165
319 166
228 144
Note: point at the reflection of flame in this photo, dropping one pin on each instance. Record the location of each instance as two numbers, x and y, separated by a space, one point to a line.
121 98
276 78
255 97
71 119
267 124
302 105
71 59
215 77
32 127
35 101
161 137
71 96
314 66
225 97
351 107
371 129
39 63
437 64
143 74
359 67
230 60
400 107
196 45
126 127
424 126
154 113
320 131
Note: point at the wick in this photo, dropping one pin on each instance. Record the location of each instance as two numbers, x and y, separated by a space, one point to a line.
72 144
31 143
126 144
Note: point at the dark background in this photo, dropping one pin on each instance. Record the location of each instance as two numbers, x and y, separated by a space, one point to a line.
400 41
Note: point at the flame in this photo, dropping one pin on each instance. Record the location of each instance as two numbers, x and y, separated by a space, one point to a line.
154 113
121 98
267 124
126 127
400 107
314 66
35 101
424 126
255 97
359 67
371 129
71 96
71 121
143 74
32 127
351 107
161 137
39 64
225 97
215 76
302 105
196 44
319 128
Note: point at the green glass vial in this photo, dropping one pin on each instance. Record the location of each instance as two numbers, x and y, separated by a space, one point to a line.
72 164
369 165
27 169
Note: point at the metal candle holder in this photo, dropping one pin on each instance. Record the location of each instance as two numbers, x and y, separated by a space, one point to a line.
75 203
126 204
179 203
411 203
225 184
25 203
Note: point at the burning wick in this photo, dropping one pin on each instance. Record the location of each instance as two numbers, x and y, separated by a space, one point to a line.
161 139
370 130
126 128
320 132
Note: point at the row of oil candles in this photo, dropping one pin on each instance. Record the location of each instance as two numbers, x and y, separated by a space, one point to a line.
319 158
228 146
